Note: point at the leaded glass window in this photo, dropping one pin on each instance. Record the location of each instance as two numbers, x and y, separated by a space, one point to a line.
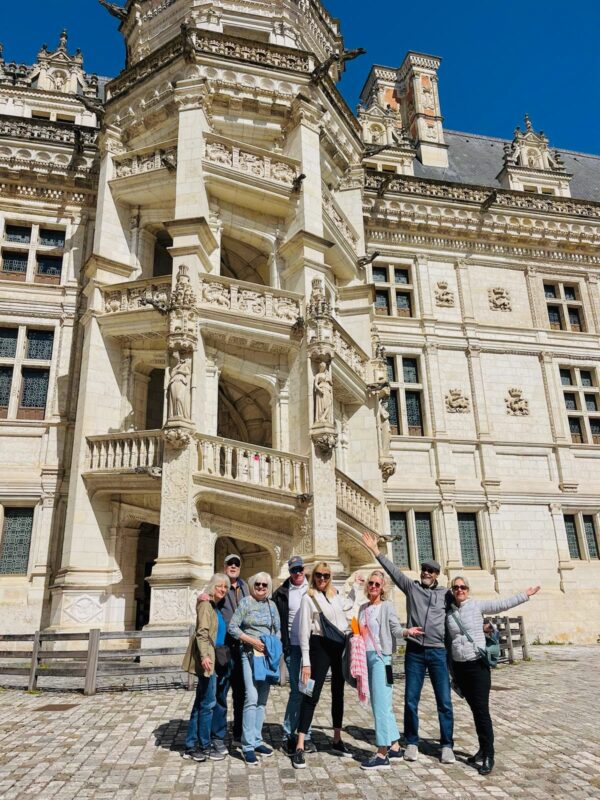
591 536
49 265
424 536
399 531
34 388
392 407
565 309
379 275
39 345
413 414
14 262
50 238
382 304
18 233
8 342
575 430
6 374
570 401
401 276
572 540
410 370
565 377
469 540
16 541
391 369
586 377
595 430
549 291
591 402
403 304
582 400
554 317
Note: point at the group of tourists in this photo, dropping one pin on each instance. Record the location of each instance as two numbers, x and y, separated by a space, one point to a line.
243 630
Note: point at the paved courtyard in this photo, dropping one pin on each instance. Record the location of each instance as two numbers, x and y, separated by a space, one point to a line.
121 745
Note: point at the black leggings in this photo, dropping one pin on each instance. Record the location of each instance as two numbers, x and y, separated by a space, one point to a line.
474 681
323 655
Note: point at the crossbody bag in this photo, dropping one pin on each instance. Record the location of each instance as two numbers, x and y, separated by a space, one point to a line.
490 654
331 632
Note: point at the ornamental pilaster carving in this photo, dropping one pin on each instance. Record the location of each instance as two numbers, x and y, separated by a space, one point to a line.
319 324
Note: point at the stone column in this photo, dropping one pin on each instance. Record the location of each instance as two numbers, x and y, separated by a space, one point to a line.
464 290
500 565
451 540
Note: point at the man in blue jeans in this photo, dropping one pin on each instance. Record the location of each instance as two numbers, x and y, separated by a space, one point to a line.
426 653
287 599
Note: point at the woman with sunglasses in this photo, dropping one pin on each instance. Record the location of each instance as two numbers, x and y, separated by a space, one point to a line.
255 617
472 675
320 654
380 629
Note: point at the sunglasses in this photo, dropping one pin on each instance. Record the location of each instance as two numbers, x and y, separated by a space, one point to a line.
234 563
374 583
296 570
428 570
261 585
460 588
322 576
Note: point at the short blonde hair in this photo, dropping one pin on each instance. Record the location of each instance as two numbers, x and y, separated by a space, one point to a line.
322 566
460 578
218 579
385 584
263 577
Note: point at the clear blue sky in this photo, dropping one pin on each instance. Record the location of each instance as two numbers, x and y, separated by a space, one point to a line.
500 59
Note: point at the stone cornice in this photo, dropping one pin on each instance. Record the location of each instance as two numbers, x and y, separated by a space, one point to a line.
56 133
26 190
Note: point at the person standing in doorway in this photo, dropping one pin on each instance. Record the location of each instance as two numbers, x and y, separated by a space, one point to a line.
287 598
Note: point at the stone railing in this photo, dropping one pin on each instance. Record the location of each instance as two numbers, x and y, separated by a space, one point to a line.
134 295
40 130
128 450
226 294
349 351
355 501
148 161
252 161
247 463
338 219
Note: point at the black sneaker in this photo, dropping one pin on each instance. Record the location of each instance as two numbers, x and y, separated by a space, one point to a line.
215 754
298 761
250 758
220 747
309 746
263 750
290 744
341 749
376 762
194 755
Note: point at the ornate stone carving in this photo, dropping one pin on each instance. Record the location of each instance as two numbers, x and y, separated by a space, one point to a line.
83 609
443 295
323 393
516 405
285 309
177 436
457 402
324 440
251 302
179 387
319 305
387 467
146 162
385 435
499 299
219 154
336 215
260 164
215 294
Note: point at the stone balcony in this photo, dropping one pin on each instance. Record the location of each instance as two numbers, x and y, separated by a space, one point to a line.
125 461
356 505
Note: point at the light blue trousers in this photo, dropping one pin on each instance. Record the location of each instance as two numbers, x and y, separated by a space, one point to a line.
386 729
257 694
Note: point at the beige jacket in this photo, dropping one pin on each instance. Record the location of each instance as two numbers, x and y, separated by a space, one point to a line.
200 646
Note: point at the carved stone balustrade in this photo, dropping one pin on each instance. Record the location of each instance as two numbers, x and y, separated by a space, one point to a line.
135 295
145 161
134 450
253 161
338 220
227 294
347 349
248 464
357 502
45 131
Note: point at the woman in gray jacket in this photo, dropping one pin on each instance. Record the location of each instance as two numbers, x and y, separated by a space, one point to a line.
464 623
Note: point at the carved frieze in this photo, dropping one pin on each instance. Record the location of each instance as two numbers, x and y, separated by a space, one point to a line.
146 162
260 164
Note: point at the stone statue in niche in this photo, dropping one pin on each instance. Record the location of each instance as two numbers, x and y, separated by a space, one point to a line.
516 403
385 434
443 295
323 386
499 299
179 387
457 402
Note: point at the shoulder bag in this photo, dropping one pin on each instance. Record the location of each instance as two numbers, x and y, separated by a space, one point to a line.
489 654
330 631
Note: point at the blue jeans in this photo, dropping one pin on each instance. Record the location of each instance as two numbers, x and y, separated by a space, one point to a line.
199 727
234 679
418 661
382 700
257 694
293 662
219 719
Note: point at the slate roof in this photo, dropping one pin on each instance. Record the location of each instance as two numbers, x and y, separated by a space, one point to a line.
478 159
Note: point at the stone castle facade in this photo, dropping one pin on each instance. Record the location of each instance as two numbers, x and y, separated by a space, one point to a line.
234 316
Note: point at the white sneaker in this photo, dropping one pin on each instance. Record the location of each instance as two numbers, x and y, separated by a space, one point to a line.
411 753
447 756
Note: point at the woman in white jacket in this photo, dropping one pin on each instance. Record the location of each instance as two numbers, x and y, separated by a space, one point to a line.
464 623
319 654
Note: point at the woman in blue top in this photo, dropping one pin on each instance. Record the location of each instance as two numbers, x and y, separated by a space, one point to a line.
256 616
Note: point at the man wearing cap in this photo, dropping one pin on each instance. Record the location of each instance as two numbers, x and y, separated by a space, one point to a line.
425 653
287 599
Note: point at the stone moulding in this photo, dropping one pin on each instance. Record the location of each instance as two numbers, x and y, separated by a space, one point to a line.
41 130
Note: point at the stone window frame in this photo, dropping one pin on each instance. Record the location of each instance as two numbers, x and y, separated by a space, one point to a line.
20 362
34 250
399 388
564 304
581 392
411 512
392 288
5 503
579 516
484 536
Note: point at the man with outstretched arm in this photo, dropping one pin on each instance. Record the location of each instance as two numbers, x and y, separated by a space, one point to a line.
425 653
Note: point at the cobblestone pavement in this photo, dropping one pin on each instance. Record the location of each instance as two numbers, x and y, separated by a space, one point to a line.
117 746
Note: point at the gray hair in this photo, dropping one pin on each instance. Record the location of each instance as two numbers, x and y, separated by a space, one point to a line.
460 578
263 577
218 579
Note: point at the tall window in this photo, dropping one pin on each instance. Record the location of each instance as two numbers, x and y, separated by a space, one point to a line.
469 540
393 291
412 538
16 541
565 309
405 404
32 253
583 536
399 531
582 402
25 360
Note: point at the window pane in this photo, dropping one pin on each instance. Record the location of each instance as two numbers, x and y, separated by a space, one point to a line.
16 541
554 317
585 377
469 540
51 238
399 533
424 536
595 430
380 275
575 428
391 368
570 293
382 305
403 304
410 369
49 265
34 389
591 536
18 233
14 262
572 540
574 319
570 401
392 407
5 384
8 342
549 290
414 417
39 344
401 276
565 377
591 402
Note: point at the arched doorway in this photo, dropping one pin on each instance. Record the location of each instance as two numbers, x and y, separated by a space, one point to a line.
254 557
